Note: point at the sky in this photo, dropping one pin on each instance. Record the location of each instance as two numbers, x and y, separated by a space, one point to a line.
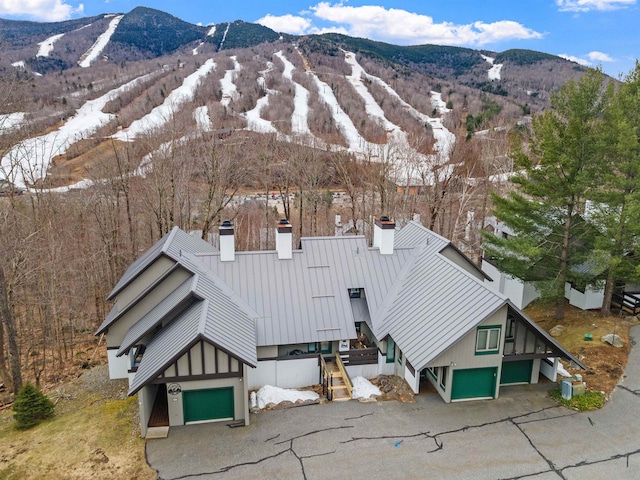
591 32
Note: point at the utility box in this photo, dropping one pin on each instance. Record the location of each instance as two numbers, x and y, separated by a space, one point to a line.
567 389
578 388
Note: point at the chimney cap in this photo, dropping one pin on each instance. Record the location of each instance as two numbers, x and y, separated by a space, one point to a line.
384 218
227 224
283 221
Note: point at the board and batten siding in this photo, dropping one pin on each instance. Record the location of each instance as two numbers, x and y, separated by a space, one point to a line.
202 359
119 329
462 355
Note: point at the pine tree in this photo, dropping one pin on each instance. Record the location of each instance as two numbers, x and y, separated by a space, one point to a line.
616 208
557 177
31 407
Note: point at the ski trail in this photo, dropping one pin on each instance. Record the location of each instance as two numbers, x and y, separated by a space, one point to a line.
29 160
254 121
444 139
201 116
97 48
300 116
229 90
224 36
494 71
46 46
161 114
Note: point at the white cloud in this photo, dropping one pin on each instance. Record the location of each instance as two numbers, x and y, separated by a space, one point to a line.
599 57
47 10
587 5
578 60
401 26
286 23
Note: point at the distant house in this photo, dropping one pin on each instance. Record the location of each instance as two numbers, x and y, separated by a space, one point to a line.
195 328
523 292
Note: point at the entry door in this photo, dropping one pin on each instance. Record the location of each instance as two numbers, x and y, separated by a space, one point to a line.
474 383
207 404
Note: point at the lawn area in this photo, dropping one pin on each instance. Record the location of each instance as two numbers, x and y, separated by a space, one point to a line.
94 435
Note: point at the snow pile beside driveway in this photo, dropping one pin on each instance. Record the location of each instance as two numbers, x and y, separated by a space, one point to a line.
363 388
269 394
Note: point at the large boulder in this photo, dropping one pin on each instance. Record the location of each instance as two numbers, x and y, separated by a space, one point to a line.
612 339
556 331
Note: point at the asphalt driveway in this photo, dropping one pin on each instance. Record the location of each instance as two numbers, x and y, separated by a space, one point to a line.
523 434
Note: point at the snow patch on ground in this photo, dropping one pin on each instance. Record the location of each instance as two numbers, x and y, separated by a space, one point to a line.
275 395
19 64
46 46
229 90
162 114
8 121
212 31
100 44
363 388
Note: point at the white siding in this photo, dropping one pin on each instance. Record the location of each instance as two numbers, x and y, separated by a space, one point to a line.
297 373
146 398
591 299
118 366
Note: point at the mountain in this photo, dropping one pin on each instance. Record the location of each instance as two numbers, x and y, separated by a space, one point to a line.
146 69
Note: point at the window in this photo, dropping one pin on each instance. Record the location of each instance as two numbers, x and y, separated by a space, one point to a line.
326 347
399 357
510 330
391 350
444 371
488 340
313 347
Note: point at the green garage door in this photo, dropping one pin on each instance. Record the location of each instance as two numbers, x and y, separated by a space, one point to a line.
207 404
474 383
516 372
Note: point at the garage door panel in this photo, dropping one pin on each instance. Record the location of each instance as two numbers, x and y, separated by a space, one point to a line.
516 372
208 404
474 383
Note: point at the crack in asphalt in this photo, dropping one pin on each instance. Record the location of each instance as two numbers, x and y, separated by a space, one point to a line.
552 466
633 392
361 416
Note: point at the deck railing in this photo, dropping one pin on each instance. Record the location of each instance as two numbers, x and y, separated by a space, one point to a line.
360 356
345 376
627 301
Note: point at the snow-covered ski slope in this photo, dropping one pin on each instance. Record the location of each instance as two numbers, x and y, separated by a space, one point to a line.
98 47
163 113
29 160
496 68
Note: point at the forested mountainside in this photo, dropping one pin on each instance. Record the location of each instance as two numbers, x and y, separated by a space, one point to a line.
115 128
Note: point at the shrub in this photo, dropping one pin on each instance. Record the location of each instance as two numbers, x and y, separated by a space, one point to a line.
31 407
586 401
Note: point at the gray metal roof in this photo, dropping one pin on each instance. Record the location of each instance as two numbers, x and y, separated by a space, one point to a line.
164 311
306 299
217 319
172 245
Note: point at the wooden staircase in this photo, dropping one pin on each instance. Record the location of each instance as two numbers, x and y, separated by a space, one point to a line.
339 385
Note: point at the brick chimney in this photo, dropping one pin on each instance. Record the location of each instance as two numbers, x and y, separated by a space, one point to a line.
383 235
284 240
227 242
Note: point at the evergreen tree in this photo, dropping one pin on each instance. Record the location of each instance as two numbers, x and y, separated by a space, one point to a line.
31 407
557 176
616 207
